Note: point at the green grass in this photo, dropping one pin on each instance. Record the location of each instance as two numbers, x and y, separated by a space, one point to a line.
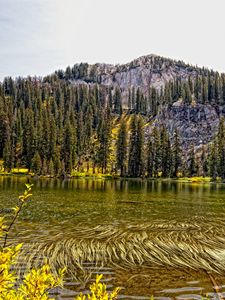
196 179
22 171
78 174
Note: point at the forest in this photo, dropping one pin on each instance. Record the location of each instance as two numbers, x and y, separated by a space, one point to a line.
53 126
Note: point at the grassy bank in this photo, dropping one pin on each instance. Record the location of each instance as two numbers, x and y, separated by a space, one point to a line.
98 175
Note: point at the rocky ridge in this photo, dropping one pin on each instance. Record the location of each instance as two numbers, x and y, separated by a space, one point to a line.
196 123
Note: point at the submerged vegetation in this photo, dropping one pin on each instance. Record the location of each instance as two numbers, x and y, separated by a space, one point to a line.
182 245
38 282
176 245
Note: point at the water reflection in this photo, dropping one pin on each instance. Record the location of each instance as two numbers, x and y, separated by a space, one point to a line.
166 212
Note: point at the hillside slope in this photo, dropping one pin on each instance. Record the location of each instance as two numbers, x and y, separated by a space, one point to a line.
59 123
197 121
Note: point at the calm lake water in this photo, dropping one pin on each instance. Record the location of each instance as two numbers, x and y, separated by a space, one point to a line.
171 235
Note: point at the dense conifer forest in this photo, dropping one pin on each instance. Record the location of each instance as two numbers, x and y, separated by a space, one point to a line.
58 125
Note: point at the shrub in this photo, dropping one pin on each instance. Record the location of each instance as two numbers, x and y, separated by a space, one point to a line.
36 283
99 292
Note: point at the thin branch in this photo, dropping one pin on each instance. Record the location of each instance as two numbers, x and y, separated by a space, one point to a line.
12 223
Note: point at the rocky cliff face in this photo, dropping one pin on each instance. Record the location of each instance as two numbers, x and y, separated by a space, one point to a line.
196 123
146 71
143 73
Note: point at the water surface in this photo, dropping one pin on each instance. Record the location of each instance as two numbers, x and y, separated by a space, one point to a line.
159 222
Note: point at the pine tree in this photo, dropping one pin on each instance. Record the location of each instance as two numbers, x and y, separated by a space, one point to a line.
104 141
57 162
138 101
51 171
221 149
121 148
213 162
150 158
135 163
176 154
44 170
36 164
186 93
166 158
117 101
69 147
8 155
156 152
192 169
29 138
204 162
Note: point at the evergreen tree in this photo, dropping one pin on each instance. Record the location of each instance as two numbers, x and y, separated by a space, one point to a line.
36 164
192 169
51 170
204 162
69 147
28 138
156 152
150 159
117 101
176 154
8 155
104 141
166 158
135 163
221 149
57 162
121 148
213 162
44 170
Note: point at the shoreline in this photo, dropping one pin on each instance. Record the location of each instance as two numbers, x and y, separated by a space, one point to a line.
193 180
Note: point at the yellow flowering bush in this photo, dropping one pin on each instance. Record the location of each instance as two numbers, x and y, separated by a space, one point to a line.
37 283
99 292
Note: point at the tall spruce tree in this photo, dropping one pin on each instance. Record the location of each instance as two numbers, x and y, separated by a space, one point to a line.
166 158
135 162
121 148
117 101
156 152
221 149
36 164
150 158
192 168
213 161
104 141
176 154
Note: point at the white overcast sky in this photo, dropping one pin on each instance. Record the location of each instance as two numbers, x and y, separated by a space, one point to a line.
40 36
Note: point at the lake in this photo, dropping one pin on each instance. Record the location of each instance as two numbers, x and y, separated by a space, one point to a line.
161 238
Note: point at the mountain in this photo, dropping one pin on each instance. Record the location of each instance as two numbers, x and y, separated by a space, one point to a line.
144 72
197 120
71 119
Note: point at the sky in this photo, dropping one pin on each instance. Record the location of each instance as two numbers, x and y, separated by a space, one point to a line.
38 37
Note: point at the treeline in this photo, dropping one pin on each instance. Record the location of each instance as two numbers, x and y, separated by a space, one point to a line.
52 126
157 153
153 155
203 86
95 73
